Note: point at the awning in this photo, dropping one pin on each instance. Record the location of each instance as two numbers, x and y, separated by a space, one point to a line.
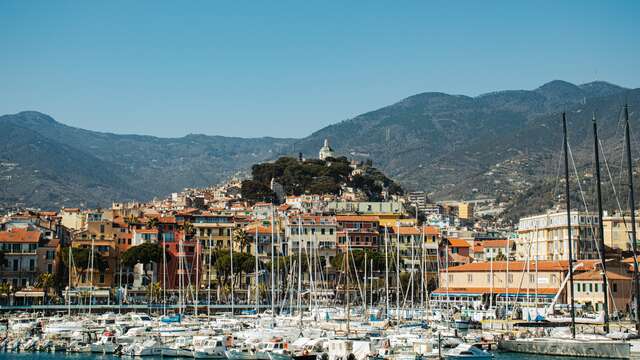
37 294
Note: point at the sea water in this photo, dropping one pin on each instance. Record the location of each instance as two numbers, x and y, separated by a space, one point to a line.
62 356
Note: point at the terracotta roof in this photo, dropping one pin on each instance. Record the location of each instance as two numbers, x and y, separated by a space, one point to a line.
459 243
363 218
543 265
457 258
597 275
496 290
495 243
478 248
407 230
251 229
71 209
167 220
19 236
629 260
48 213
431 230
147 231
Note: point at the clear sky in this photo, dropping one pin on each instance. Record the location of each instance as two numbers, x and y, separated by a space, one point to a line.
287 68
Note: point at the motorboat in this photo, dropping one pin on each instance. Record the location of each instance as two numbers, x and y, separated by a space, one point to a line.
210 348
107 344
467 351
181 347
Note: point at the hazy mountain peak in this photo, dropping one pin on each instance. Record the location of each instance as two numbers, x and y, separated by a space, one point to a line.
30 117
601 88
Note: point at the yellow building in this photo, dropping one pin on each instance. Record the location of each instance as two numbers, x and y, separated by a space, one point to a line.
588 290
465 210
617 231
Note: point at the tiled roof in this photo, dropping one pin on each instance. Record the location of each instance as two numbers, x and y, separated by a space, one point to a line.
543 265
597 275
431 230
495 290
495 243
459 243
19 236
362 218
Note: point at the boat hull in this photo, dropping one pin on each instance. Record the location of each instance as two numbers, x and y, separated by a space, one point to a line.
575 348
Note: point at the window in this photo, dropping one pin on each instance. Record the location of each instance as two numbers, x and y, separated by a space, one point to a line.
510 278
615 287
470 277
101 280
15 264
322 231
590 287
596 288
330 231
450 277
50 268
532 278
101 228
32 264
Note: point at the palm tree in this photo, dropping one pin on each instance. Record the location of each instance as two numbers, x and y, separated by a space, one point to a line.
153 223
5 290
153 291
240 236
187 230
46 282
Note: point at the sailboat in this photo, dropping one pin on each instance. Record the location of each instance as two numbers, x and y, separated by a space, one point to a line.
584 345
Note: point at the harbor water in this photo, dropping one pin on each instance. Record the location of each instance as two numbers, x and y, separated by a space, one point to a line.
64 356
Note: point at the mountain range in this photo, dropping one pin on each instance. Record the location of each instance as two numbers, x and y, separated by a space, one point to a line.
502 145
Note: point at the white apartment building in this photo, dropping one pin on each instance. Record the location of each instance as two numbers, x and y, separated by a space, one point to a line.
545 237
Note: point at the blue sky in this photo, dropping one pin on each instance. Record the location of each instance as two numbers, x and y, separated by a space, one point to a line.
288 68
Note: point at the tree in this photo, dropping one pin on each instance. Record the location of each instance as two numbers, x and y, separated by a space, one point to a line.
240 237
81 260
5 290
153 292
46 282
145 253
255 191
153 223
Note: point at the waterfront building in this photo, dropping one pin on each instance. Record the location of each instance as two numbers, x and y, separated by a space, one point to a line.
362 230
545 236
617 231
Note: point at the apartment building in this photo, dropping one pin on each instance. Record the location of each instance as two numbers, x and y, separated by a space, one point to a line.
545 236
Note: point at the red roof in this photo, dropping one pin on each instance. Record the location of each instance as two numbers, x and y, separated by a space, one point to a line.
495 243
356 218
251 229
495 290
543 265
19 236
407 230
431 230
597 276
459 243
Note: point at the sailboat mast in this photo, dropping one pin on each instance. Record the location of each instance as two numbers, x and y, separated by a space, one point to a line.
386 269
398 285
256 277
601 227
568 202
273 284
69 287
232 275
632 207
346 262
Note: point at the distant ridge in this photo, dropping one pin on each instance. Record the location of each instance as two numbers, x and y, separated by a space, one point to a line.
498 144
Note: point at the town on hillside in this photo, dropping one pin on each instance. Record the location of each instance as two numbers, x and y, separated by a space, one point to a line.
261 240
